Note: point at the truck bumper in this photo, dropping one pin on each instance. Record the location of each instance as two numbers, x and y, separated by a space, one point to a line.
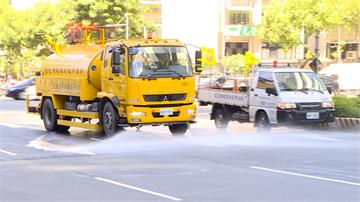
294 116
138 115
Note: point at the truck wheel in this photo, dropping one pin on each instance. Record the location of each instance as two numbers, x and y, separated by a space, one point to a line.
262 122
221 122
49 115
109 119
178 129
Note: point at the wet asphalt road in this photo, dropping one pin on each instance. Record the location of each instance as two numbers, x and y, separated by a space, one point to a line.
204 165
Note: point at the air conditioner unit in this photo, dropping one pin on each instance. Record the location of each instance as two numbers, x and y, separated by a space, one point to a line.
351 55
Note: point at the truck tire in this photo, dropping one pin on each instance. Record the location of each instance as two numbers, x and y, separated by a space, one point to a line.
50 117
178 129
109 121
220 119
262 122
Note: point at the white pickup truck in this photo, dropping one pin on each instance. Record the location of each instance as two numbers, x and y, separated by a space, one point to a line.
272 96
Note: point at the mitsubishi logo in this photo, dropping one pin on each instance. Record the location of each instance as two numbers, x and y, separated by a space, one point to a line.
165 98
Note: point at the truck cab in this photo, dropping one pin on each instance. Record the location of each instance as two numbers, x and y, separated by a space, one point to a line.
152 82
289 96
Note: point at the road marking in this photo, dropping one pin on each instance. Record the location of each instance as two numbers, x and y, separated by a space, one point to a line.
323 138
138 189
95 139
6 152
307 176
10 125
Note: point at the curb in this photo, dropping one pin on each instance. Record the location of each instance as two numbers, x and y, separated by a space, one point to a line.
343 124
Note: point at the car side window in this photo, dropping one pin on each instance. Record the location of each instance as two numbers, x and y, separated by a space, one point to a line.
265 80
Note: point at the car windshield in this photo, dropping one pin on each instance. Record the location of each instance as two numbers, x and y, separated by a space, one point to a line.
159 61
292 81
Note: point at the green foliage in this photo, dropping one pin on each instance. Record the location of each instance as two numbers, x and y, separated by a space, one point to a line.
104 12
24 33
240 63
284 21
234 63
347 107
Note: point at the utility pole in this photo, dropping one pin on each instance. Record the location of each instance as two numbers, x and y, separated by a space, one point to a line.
317 51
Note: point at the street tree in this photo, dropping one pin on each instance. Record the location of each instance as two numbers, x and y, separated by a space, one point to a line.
103 12
24 34
284 21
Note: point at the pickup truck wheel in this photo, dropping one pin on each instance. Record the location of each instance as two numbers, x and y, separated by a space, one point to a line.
49 115
109 119
221 122
178 129
262 122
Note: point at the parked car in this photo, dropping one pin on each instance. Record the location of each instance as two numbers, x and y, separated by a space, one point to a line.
19 91
329 81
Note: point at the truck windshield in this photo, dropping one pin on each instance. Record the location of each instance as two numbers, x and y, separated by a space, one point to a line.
159 61
299 81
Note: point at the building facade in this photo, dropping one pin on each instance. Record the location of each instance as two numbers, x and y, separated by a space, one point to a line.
229 26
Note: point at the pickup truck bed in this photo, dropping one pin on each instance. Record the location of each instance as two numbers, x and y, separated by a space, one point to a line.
212 96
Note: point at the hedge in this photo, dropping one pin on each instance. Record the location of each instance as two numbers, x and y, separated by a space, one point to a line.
347 107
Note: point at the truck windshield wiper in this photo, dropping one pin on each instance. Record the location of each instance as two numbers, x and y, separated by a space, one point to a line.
149 77
172 71
308 89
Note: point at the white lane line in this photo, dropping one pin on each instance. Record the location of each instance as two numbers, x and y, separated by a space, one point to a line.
307 176
95 139
323 138
138 189
6 152
10 125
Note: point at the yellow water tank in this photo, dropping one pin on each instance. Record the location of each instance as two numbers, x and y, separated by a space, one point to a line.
75 61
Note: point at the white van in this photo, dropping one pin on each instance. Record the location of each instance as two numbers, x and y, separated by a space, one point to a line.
273 96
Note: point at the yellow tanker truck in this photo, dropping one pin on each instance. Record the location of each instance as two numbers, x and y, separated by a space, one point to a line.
97 84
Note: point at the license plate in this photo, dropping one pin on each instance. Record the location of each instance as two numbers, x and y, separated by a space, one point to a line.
166 112
312 115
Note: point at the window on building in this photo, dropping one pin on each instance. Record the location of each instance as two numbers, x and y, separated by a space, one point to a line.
351 51
265 80
233 48
236 17
270 51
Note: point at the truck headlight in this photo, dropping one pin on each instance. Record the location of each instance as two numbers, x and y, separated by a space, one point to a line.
282 105
190 111
137 114
327 105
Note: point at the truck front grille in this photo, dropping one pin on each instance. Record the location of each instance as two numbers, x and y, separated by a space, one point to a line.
309 106
164 97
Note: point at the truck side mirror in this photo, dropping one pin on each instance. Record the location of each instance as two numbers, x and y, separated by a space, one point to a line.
115 60
198 58
271 91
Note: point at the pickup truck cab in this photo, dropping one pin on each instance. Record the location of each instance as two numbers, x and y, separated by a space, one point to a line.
274 96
